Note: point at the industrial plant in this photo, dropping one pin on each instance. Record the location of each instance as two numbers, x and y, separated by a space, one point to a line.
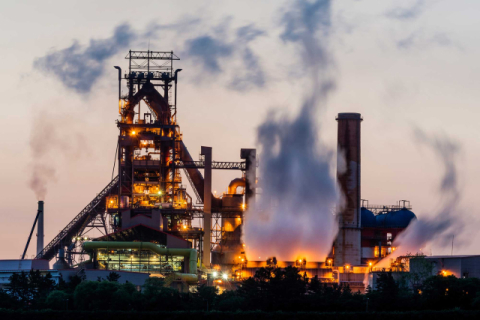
145 223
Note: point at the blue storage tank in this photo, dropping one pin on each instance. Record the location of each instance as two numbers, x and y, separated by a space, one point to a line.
368 218
399 219
380 220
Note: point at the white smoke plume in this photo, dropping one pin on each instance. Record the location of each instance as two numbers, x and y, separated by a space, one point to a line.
294 218
53 138
447 220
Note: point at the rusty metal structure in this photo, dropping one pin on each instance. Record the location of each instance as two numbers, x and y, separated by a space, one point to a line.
149 192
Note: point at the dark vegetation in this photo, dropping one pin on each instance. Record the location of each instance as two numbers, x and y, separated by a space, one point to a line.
271 291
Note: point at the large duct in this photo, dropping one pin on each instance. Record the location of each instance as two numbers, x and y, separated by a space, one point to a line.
347 248
194 173
40 232
234 184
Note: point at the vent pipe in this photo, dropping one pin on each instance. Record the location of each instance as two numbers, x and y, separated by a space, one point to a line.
40 233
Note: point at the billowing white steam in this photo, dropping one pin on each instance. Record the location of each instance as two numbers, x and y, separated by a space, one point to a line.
294 217
446 222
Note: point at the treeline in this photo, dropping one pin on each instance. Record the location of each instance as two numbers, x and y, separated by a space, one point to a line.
270 290
236 315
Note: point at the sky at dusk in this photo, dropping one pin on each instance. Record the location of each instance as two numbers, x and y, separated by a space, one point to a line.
404 65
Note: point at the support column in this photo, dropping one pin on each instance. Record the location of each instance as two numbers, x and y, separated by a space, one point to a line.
250 156
207 205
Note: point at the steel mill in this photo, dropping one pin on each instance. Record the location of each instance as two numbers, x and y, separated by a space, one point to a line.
145 223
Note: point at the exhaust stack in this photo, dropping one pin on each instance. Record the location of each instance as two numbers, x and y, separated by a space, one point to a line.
347 245
40 233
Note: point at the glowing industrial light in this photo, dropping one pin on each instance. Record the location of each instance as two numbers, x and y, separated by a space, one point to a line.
184 227
370 264
225 276
243 259
133 133
300 260
215 274
111 201
393 248
347 266
159 192
243 244
243 206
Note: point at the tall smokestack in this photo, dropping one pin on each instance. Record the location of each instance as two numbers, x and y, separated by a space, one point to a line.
347 248
40 233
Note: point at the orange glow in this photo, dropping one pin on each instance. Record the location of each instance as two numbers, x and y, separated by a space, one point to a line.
184 227
300 260
243 259
370 264
133 133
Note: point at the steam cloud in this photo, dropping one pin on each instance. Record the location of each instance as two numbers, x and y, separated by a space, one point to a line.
52 137
79 68
407 13
447 221
294 216
212 50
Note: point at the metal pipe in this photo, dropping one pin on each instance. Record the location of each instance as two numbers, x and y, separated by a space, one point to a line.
40 233
234 184
119 82
176 77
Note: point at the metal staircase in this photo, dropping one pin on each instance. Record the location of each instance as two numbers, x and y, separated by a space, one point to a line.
78 223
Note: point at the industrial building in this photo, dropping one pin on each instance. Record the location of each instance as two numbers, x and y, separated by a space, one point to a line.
147 224
460 266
